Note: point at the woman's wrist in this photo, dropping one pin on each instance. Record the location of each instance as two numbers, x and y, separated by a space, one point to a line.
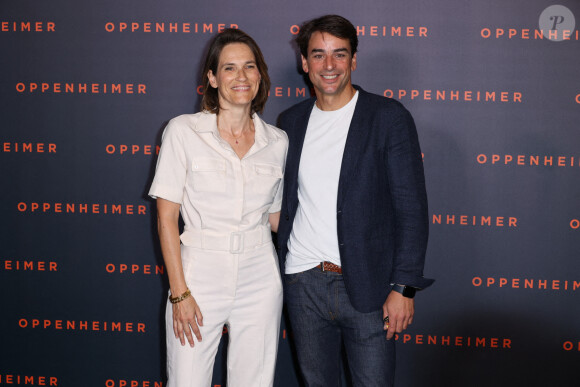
179 298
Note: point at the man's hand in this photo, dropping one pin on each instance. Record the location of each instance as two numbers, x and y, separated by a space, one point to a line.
400 312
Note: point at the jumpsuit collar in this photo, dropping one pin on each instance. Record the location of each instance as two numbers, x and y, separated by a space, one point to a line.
262 136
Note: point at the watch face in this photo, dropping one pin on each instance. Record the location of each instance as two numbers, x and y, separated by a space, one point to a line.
406 291
409 292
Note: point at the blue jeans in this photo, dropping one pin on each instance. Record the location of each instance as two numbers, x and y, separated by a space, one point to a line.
322 319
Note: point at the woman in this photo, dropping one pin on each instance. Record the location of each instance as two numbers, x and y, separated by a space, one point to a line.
222 168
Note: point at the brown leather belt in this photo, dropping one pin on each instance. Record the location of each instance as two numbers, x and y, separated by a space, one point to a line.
328 266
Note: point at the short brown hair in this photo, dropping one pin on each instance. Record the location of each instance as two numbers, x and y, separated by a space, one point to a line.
210 100
335 25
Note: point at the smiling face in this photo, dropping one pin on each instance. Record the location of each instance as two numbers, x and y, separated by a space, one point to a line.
329 65
237 78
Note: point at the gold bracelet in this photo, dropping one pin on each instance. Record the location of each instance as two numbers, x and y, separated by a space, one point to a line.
175 300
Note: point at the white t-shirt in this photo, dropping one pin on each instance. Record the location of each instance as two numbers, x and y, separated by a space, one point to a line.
314 236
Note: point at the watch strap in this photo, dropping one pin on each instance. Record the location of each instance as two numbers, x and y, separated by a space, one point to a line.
406 291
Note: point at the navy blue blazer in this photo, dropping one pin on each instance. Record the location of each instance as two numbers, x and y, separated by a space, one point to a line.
382 220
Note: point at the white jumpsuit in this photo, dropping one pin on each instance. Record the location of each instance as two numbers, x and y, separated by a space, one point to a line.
229 261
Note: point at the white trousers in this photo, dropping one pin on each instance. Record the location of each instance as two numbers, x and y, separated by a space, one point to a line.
243 291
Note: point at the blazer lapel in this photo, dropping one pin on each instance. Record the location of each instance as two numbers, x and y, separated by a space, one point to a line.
356 138
296 134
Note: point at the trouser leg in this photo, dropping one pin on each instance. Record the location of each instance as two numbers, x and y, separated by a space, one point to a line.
315 332
191 367
370 356
254 322
209 276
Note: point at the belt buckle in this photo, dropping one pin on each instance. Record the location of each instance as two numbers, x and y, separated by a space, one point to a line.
236 238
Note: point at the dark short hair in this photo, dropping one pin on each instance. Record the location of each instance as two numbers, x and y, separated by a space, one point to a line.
334 25
210 100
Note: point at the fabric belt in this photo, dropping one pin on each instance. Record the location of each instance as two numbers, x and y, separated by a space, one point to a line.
328 266
234 242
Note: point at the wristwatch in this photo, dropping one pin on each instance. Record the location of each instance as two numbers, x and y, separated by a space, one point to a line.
406 291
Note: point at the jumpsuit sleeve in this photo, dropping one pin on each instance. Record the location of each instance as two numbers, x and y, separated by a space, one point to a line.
277 204
171 170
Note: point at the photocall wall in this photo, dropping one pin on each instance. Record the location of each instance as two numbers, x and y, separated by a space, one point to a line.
86 89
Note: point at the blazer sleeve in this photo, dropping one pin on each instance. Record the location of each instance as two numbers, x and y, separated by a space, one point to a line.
409 200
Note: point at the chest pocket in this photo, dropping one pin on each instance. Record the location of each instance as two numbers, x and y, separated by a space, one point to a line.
208 175
266 179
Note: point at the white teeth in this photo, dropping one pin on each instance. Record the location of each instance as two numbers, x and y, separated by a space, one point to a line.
329 76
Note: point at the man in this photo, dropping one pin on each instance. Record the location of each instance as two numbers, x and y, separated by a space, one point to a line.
353 227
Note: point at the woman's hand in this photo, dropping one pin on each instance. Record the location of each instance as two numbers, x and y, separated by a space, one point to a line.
187 317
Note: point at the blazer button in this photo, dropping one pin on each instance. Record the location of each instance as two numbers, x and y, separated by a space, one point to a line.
287 217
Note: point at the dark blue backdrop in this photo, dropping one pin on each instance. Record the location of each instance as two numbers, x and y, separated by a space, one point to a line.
87 87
